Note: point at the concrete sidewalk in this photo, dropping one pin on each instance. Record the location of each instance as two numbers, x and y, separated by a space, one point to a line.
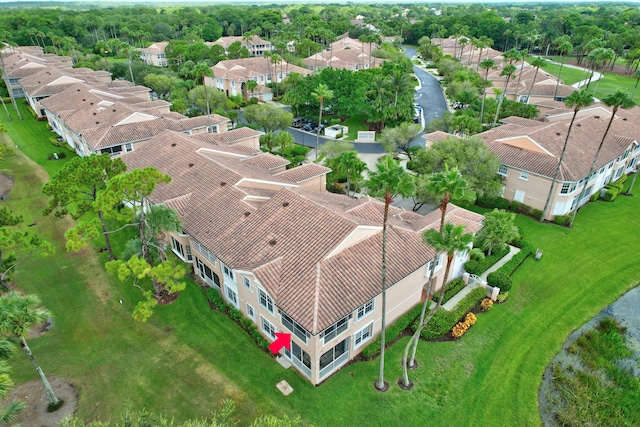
467 289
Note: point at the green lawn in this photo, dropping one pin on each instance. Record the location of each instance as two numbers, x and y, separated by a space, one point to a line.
186 359
356 123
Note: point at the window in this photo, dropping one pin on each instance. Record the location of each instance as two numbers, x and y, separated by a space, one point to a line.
268 328
334 358
524 99
250 312
112 150
502 170
363 335
211 257
560 98
574 202
183 251
247 283
187 249
610 165
336 329
227 271
232 297
265 300
519 196
294 327
618 173
128 147
565 188
524 175
365 309
300 358
212 129
601 171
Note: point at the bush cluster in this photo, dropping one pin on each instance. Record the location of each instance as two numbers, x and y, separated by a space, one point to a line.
393 332
219 303
562 219
486 304
498 279
478 267
443 320
614 188
509 267
461 327
493 202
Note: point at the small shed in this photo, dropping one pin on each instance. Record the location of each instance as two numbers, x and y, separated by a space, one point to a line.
336 131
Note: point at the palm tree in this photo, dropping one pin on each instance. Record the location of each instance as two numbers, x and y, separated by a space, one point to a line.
446 186
617 100
387 181
603 58
350 164
321 93
564 48
19 313
399 80
536 63
498 228
509 71
636 76
578 100
463 43
379 91
519 56
202 70
452 239
485 65
9 413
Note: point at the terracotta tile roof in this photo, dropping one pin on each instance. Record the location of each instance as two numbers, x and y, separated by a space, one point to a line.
229 137
247 68
304 172
289 241
267 161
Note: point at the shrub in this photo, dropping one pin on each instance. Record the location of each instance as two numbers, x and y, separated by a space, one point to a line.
610 194
536 213
246 323
493 202
595 196
502 297
443 320
216 299
452 289
479 267
512 265
393 331
498 279
562 219
486 304
235 315
470 318
520 208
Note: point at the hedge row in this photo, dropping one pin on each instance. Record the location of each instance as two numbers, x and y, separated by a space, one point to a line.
452 289
219 303
478 267
513 206
501 278
393 332
443 320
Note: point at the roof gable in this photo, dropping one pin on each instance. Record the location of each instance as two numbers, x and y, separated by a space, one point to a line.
525 142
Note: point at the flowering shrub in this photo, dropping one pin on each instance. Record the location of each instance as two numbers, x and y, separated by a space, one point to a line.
470 318
486 304
461 327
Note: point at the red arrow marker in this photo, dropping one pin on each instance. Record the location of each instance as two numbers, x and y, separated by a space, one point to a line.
282 340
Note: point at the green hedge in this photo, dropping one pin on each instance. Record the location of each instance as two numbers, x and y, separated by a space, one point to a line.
562 219
610 194
479 267
498 279
393 332
452 289
219 303
443 320
520 208
493 202
512 265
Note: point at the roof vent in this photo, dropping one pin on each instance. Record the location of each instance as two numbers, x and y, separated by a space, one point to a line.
624 119
114 110
91 103
558 133
247 213
77 90
173 144
97 123
285 204
190 165
83 99
578 124
222 184
272 242
597 117
94 113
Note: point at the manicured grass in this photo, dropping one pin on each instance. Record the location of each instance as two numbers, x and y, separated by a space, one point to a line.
186 359
568 75
356 123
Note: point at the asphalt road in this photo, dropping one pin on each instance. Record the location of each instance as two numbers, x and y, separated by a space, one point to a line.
429 97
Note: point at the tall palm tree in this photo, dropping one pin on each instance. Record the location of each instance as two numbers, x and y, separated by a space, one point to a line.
636 76
604 57
564 48
321 93
9 413
617 100
486 65
399 80
378 92
452 239
389 180
446 186
463 43
508 71
200 71
519 56
536 63
578 100
18 314
350 164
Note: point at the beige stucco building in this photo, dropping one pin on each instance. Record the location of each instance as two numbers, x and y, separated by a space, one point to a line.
155 54
288 254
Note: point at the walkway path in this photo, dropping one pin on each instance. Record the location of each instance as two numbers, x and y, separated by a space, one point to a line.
467 289
596 75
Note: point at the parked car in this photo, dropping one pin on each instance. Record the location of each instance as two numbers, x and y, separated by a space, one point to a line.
309 127
298 122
